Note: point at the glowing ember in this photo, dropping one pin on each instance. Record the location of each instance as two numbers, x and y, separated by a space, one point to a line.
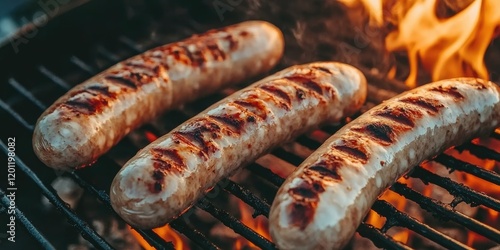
401 236
150 136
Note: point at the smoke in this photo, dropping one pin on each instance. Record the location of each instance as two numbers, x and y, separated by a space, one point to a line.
315 30
320 30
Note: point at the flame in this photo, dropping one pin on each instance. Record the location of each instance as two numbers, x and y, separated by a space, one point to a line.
493 215
493 219
472 237
445 47
472 181
166 233
402 236
259 224
395 199
373 7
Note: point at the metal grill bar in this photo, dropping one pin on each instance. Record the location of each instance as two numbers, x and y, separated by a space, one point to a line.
269 175
233 188
26 93
287 156
468 168
308 142
235 224
446 212
82 65
385 209
53 77
398 218
379 238
131 44
52 196
15 115
5 201
193 234
456 189
108 54
480 151
151 237
260 206
266 174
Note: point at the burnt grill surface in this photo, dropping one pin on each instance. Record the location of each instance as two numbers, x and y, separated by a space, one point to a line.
51 65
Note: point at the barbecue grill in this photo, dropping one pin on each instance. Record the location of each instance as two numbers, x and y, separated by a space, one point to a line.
75 46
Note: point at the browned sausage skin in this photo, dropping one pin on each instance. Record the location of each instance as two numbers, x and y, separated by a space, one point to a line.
92 117
321 204
168 175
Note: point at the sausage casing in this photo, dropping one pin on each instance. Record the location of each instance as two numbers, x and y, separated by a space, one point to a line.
171 173
93 116
321 204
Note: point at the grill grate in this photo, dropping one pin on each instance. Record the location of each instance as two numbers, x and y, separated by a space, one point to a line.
394 216
51 194
378 236
5 201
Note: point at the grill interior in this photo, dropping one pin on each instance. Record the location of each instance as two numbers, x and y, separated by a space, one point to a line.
101 34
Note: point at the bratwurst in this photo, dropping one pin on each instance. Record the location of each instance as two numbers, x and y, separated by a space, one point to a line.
170 174
93 116
321 204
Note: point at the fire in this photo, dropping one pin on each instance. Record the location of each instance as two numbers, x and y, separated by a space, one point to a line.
474 239
443 46
395 199
402 236
259 224
446 47
166 233
472 181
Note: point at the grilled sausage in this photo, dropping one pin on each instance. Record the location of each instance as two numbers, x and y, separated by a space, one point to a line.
321 204
171 173
92 117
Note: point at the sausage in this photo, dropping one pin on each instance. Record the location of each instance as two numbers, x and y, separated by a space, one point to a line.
170 174
324 200
93 116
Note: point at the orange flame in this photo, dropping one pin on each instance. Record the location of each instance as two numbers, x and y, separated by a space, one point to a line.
474 239
449 47
472 181
402 236
445 47
259 224
166 233
395 199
